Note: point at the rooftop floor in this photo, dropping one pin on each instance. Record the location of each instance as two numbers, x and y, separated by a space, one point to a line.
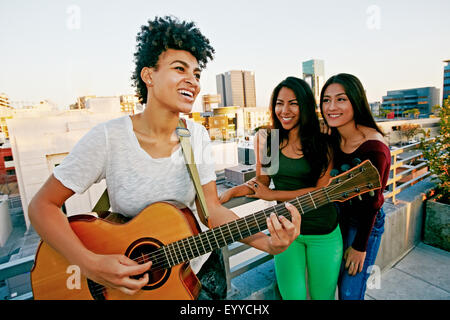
422 274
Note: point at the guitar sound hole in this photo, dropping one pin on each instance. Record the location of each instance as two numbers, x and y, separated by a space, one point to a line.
140 251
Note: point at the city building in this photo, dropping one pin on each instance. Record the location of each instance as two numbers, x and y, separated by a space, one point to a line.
4 101
403 101
236 88
128 103
228 123
314 74
375 108
6 112
446 86
255 118
210 101
8 179
81 102
221 123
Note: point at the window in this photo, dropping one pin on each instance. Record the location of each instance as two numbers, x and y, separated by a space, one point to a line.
8 158
11 172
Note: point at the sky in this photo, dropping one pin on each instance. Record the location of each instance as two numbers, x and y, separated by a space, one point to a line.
59 50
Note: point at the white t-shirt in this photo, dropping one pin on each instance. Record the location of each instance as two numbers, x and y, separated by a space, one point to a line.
134 179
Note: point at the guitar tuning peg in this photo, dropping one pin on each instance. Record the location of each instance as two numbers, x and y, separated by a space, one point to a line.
334 172
350 202
345 167
359 197
356 161
371 193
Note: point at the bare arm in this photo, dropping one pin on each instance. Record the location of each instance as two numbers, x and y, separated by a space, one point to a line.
262 191
282 231
54 228
244 189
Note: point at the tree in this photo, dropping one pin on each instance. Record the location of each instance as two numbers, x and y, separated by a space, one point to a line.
436 109
409 130
437 154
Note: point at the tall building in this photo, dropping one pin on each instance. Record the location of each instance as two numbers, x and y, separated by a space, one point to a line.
399 101
236 88
375 108
314 74
128 103
6 112
446 86
4 101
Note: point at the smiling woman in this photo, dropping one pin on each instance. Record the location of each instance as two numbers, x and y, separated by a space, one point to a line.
355 135
304 163
139 157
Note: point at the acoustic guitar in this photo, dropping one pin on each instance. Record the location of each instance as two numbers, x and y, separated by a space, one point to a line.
170 237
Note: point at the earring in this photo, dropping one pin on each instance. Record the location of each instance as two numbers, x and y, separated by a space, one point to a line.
149 82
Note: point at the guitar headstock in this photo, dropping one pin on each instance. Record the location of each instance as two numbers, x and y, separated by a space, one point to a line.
351 183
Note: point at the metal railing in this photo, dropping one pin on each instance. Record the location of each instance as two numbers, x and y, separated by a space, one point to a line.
14 268
408 158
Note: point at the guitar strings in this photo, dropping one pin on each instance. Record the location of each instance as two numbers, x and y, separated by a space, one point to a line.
100 288
251 225
177 253
210 234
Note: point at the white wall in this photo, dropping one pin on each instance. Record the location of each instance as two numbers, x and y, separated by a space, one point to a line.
40 141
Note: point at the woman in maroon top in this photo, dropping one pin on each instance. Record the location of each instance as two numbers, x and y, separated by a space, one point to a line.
356 137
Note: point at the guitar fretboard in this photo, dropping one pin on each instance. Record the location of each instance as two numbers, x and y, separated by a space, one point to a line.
361 179
195 246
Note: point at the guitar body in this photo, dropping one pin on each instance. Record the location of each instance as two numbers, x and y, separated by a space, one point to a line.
52 276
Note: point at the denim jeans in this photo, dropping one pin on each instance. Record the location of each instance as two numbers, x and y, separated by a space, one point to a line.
354 287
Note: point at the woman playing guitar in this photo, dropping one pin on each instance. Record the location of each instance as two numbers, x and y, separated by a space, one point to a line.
139 156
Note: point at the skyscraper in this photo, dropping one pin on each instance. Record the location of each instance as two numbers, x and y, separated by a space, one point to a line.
446 86
314 74
236 88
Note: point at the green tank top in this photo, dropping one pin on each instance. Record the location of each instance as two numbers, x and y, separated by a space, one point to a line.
294 174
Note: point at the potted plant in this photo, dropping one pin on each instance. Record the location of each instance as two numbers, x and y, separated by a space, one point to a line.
437 212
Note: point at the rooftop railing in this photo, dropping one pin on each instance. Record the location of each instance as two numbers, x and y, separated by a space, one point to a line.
407 168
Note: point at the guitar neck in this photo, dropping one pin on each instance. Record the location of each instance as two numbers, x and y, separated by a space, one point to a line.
195 246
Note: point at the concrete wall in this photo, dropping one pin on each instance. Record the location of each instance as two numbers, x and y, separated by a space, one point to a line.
5 221
403 225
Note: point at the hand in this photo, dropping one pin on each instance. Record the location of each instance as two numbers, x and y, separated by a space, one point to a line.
282 231
115 271
354 260
226 196
260 190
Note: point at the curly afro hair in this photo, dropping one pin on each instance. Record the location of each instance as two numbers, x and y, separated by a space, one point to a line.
165 33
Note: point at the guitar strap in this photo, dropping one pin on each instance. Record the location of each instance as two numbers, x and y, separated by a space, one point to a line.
200 201
103 205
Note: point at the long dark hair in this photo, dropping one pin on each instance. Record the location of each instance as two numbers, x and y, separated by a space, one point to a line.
314 145
357 96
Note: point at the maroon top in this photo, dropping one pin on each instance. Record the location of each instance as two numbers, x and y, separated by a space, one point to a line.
365 211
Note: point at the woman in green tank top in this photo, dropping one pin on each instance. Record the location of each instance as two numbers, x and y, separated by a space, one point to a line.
295 156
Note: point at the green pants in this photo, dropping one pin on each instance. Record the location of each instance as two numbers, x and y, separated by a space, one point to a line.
320 256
